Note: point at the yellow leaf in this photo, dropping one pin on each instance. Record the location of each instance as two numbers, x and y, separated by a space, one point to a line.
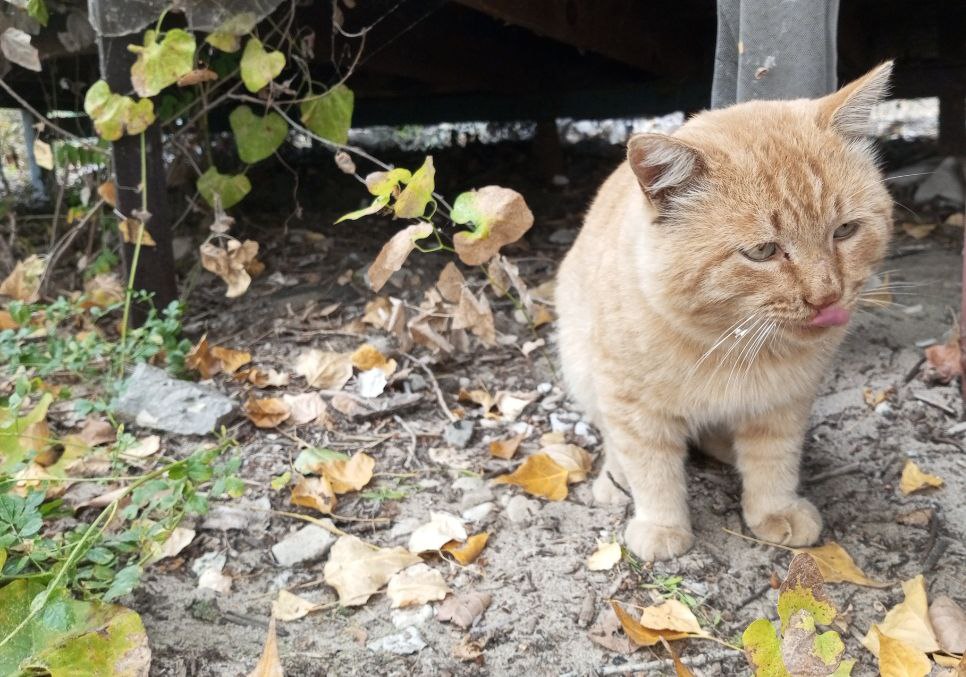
837 565
604 557
640 635
539 475
368 357
289 607
315 493
416 585
575 459
897 659
231 360
269 665
108 193
357 570
267 412
467 552
914 479
670 615
6 321
351 475
131 230
907 621
680 669
505 449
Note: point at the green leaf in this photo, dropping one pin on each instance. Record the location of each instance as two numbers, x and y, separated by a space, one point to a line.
69 637
330 115
385 183
278 483
760 641
124 582
37 10
160 64
230 189
499 217
418 192
258 66
227 37
804 589
113 114
380 202
256 137
310 461
14 443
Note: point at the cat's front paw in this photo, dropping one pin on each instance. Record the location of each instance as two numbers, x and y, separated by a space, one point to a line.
796 524
651 542
606 492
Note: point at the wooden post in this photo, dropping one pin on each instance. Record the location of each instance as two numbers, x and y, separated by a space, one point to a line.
155 268
952 95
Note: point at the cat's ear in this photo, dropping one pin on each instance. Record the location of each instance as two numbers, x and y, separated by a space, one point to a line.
662 163
849 110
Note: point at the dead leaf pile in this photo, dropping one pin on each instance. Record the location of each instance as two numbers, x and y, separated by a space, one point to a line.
236 263
548 472
358 570
210 361
324 475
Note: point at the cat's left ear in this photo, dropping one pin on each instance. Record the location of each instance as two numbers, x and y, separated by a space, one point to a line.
849 110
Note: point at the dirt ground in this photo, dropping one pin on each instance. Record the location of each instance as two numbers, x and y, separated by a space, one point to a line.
544 599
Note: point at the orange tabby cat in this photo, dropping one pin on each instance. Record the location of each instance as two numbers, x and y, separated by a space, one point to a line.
708 290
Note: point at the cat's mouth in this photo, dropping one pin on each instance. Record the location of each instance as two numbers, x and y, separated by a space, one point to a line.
830 316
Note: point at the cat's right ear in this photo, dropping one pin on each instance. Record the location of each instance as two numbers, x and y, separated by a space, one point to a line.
662 164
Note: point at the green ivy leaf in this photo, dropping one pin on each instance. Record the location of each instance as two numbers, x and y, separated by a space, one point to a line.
330 115
418 192
256 137
37 10
160 64
499 216
227 37
760 641
229 188
124 582
113 114
258 66
69 637
383 185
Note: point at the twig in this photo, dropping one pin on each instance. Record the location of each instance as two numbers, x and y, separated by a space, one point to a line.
33 111
835 472
911 374
933 533
58 249
933 403
435 384
412 440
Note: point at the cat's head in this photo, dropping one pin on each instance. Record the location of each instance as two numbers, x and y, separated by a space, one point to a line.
768 212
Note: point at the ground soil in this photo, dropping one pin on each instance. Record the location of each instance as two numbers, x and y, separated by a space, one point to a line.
544 597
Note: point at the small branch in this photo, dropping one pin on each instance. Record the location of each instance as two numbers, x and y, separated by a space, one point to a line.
835 472
661 664
432 380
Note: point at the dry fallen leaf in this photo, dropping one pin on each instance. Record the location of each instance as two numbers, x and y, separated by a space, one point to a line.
680 669
898 659
450 283
358 570
574 459
179 539
539 475
416 585
267 412
467 552
269 665
499 216
23 283
304 408
97 431
144 447
262 379
944 360
640 635
108 192
437 532
235 264
394 253
608 633
132 229
463 609
874 398
368 357
315 493
473 313
907 621
351 475
231 360
324 369
837 565
670 615
289 607
103 290
505 449
604 557
949 621
914 479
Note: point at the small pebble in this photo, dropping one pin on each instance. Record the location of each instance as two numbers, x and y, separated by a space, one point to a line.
409 641
521 509
479 512
405 618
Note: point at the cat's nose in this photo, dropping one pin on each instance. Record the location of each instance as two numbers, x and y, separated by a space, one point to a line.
823 301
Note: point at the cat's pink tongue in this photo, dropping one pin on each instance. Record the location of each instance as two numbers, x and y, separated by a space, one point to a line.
831 316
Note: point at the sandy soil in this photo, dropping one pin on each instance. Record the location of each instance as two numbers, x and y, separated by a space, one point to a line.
544 599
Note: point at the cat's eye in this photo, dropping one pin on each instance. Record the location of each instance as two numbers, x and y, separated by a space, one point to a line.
762 252
845 230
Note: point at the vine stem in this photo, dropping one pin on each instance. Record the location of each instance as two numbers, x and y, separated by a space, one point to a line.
129 293
80 548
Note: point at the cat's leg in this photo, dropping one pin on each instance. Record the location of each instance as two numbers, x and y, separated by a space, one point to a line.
651 450
610 487
768 457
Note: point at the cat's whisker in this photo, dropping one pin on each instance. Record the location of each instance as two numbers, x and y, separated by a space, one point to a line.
757 347
734 330
742 355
